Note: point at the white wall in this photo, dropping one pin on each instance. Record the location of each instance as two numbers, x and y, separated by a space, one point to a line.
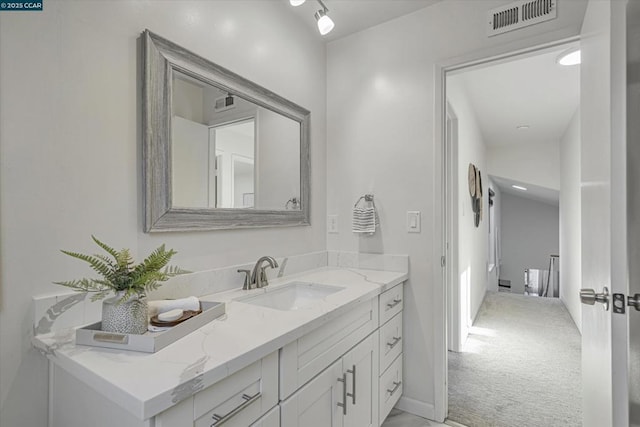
570 221
472 240
277 169
537 164
189 163
530 231
70 149
188 100
383 100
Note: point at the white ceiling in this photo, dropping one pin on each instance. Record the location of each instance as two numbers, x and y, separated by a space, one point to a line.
351 16
534 192
533 91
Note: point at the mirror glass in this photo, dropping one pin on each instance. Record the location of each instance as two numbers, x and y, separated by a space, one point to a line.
228 152
219 150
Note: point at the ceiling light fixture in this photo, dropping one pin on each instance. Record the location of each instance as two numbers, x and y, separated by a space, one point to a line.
325 24
296 2
518 187
569 57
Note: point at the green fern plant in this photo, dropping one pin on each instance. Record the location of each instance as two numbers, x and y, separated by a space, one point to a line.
120 273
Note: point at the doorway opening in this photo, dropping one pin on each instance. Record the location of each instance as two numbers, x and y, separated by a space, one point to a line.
512 128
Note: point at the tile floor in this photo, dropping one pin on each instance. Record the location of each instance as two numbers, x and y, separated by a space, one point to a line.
398 418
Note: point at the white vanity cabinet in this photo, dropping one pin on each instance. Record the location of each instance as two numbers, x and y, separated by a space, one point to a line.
368 377
342 395
390 349
237 401
270 419
344 371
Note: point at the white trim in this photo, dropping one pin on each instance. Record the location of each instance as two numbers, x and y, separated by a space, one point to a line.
454 330
416 407
466 62
440 391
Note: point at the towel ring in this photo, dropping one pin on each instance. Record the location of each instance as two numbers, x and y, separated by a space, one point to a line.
367 198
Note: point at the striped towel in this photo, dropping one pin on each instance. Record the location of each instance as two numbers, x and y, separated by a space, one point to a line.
365 219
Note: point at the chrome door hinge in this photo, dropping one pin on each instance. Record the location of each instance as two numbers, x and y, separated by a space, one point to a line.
619 305
443 261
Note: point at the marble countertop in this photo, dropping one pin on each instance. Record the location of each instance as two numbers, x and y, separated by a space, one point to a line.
147 384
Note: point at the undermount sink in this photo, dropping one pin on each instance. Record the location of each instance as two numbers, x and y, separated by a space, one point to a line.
293 296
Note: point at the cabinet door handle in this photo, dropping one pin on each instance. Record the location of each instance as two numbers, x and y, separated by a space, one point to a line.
396 386
343 405
353 395
248 400
393 303
395 342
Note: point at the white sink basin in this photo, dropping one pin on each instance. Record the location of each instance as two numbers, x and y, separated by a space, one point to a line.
293 296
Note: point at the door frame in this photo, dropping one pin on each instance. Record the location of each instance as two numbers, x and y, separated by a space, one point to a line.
444 186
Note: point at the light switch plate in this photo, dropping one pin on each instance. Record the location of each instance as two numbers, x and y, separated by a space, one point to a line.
332 223
413 221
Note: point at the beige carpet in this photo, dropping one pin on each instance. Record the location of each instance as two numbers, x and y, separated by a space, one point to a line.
520 367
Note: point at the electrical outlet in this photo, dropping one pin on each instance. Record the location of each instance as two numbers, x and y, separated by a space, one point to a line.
332 223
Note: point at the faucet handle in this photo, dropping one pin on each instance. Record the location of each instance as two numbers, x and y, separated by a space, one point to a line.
247 279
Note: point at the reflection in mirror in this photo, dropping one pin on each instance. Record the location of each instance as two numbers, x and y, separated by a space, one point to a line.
219 150
228 152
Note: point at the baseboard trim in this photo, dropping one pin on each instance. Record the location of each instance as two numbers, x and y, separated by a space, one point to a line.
416 407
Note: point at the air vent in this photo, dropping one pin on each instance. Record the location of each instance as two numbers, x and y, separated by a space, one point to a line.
520 14
224 103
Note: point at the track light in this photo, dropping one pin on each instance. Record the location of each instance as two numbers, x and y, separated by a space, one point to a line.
325 24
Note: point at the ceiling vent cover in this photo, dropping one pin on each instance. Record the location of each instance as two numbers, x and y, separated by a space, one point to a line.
520 14
224 103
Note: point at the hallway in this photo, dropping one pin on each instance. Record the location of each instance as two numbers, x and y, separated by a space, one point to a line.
520 366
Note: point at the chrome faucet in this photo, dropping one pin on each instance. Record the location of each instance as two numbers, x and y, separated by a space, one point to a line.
258 277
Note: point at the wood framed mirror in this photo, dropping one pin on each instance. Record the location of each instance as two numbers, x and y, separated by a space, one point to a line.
219 151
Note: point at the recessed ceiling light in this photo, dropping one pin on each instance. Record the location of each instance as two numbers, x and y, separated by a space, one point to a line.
519 187
523 127
569 57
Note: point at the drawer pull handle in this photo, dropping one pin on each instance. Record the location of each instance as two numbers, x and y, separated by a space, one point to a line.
393 303
396 386
395 342
353 395
343 405
248 400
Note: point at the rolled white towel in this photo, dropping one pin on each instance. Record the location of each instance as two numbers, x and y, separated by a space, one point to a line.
162 306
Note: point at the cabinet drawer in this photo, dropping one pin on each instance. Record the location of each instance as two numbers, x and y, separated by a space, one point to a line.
306 357
271 419
240 398
390 387
390 341
391 303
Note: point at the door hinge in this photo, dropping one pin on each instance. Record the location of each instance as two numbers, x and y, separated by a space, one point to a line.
619 303
443 261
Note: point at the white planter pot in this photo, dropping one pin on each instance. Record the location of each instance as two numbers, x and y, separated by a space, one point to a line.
126 317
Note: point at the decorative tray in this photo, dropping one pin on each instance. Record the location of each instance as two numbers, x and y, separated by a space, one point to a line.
149 342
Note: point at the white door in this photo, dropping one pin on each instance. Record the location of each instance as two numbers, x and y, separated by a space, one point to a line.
359 364
316 404
633 200
604 225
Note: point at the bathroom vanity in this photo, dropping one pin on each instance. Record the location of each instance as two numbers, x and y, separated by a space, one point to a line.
321 348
